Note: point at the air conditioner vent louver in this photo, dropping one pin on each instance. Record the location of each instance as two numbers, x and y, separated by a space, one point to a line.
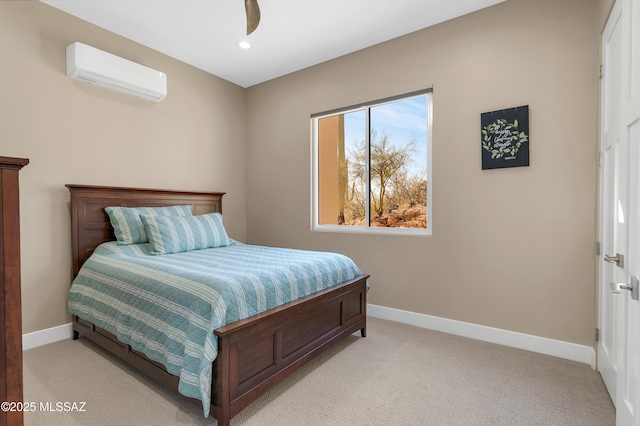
95 66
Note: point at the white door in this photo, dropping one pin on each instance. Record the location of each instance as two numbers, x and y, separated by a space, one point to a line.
628 391
613 229
619 312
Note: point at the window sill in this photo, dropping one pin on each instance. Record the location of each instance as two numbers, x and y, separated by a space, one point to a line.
413 232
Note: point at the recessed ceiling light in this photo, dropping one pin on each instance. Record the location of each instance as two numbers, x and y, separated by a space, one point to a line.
244 44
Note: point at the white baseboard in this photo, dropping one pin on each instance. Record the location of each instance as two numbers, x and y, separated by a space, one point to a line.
557 348
44 337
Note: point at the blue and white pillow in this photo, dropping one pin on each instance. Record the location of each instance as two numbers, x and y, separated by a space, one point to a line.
175 234
128 226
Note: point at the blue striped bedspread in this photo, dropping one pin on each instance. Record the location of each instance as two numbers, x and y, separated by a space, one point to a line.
168 306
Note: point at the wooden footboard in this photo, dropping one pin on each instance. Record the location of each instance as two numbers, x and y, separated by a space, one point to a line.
257 353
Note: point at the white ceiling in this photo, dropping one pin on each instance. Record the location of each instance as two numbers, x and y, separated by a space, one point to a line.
292 35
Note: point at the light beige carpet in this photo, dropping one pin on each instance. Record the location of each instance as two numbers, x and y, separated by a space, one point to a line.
397 375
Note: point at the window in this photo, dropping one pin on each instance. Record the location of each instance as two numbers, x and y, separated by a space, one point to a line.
372 167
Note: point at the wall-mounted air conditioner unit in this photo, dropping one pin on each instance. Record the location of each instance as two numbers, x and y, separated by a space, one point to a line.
95 66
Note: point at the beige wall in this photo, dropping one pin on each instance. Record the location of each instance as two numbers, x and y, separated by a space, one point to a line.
511 248
603 9
74 132
533 274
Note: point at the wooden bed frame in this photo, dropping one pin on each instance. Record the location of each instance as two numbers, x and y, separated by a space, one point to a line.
253 354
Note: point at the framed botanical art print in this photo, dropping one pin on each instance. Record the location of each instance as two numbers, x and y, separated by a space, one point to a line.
505 138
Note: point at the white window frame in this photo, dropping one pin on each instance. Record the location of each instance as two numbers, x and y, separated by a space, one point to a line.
367 229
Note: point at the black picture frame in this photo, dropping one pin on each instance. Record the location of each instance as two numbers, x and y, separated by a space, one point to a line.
504 136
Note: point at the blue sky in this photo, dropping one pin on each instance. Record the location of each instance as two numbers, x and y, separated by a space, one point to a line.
402 121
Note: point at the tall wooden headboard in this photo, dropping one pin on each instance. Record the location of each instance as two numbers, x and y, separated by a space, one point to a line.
90 224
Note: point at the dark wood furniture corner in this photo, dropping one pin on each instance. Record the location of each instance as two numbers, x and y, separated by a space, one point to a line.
10 293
